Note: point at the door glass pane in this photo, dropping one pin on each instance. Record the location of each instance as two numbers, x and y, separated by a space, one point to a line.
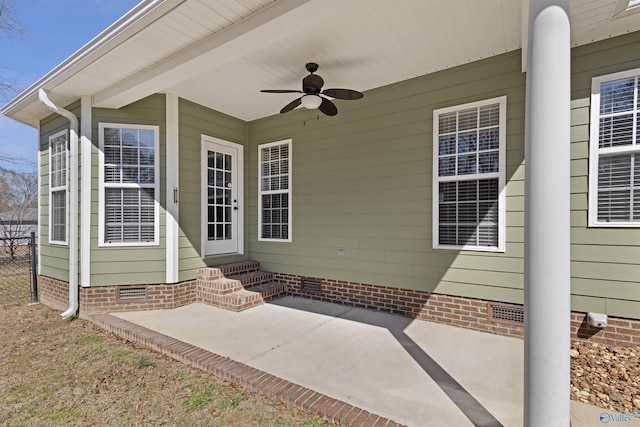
219 221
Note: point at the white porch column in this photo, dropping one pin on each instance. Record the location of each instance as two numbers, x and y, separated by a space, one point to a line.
547 222
172 180
85 190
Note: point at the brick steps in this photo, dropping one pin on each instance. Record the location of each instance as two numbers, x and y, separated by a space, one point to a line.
237 286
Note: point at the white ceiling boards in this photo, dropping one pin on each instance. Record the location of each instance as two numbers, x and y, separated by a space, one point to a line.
221 53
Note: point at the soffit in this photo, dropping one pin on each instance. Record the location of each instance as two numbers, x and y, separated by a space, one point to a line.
364 44
221 53
595 20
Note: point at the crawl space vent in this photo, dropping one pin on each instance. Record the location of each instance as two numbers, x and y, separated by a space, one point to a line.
311 285
513 314
128 294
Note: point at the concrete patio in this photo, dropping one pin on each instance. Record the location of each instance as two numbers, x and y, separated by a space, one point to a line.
412 372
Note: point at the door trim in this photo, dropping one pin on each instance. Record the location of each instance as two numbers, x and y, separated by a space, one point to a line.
207 143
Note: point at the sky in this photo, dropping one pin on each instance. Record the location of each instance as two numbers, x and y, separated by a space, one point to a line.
53 31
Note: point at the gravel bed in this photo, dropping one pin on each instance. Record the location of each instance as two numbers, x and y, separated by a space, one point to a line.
605 376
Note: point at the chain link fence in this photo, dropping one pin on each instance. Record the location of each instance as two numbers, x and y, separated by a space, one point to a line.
18 278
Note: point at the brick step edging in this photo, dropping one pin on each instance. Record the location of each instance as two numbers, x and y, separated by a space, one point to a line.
329 409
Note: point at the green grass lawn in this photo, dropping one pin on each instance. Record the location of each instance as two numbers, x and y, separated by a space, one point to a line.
55 372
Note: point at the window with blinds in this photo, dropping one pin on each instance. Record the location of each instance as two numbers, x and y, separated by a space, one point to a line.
614 176
129 184
468 200
58 156
274 198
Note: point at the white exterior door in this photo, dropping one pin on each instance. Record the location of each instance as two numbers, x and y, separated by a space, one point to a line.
222 226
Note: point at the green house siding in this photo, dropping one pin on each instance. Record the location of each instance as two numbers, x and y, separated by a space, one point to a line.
362 182
54 258
117 265
196 120
605 269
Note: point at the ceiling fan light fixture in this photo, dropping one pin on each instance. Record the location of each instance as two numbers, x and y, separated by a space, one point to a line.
314 97
311 101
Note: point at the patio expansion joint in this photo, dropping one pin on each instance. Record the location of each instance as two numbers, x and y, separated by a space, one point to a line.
328 408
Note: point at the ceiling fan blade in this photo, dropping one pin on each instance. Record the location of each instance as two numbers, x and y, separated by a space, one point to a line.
280 91
290 106
328 107
343 93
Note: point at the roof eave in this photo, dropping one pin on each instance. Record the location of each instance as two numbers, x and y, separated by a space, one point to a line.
144 13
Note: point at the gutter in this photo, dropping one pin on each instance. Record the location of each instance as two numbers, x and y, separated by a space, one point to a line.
73 202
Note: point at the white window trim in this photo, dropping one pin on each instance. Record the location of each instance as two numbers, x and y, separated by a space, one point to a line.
501 175
64 188
101 190
288 191
595 151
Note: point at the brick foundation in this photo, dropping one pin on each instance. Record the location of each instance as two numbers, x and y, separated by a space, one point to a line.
464 312
458 311
619 332
53 293
469 313
106 299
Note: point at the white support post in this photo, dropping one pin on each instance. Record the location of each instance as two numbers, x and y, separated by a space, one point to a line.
172 196
86 133
547 216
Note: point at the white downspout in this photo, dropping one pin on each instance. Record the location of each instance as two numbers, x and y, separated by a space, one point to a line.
73 202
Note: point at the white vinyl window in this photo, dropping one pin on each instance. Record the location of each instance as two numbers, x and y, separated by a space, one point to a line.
129 185
614 160
469 176
274 195
58 158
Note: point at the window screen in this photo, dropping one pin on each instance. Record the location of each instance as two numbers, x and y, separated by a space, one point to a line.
615 152
275 191
129 184
58 155
468 175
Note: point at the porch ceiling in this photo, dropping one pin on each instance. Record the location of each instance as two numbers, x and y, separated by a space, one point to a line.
221 53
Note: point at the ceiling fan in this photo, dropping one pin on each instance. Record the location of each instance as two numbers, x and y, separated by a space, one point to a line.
312 90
